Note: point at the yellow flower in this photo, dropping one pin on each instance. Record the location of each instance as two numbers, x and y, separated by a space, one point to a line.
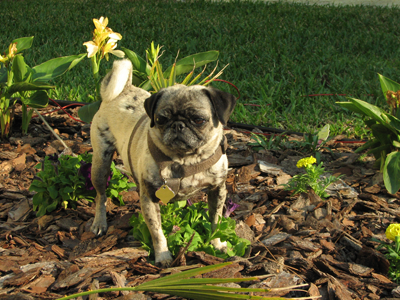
92 48
104 40
392 231
304 162
3 59
101 24
12 50
109 48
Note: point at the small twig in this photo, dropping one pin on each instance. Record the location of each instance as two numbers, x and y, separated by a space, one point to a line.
178 257
51 129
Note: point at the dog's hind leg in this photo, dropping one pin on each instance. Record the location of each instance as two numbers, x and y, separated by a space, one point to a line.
103 150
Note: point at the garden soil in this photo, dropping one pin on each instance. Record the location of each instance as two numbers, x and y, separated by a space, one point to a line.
325 246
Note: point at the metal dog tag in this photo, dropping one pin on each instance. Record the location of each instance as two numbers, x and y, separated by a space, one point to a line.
164 193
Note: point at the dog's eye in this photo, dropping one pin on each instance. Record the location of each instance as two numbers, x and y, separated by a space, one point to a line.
199 121
161 120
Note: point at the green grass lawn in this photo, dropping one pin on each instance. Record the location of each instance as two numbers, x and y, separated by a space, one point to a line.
277 52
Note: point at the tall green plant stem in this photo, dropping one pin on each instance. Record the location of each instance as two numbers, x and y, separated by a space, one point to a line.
10 76
95 70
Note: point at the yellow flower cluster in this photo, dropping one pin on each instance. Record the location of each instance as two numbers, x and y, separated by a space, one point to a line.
104 40
12 50
392 231
304 162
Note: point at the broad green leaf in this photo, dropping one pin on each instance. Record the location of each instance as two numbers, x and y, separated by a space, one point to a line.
393 121
185 65
38 99
323 134
370 122
41 211
20 69
52 206
351 106
87 112
382 133
391 172
378 150
23 43
371 111
28 86
53 192
138 63
55 67
37 198
388 85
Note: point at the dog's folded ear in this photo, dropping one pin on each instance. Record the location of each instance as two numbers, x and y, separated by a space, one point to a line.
223 103
116 80
150 105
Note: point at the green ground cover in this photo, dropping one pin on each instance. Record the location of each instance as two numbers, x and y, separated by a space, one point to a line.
277 52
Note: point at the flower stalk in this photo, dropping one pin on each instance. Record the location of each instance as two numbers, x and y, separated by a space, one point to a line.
103 43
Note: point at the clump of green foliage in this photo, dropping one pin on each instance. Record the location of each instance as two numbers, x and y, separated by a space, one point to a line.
301 183
180 222
64 180
385 129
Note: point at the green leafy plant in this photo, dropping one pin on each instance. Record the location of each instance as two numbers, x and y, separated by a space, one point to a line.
278 142
64 180
393 254
159 79
183 284
17 79
180 222
312 143
311 179
385 128
146 74
149 75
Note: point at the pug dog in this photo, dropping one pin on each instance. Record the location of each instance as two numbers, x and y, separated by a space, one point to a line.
172 143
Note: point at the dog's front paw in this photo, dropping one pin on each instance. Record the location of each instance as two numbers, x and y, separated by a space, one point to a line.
99 226
164 259
221 246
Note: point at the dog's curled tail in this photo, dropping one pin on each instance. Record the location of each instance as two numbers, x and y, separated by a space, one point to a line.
116 80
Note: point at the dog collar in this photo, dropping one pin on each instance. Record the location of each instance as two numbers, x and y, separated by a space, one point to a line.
180 171
171 186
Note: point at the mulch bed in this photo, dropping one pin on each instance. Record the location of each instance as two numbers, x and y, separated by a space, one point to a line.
295 240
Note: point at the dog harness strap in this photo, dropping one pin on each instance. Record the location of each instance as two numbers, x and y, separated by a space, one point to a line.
141 120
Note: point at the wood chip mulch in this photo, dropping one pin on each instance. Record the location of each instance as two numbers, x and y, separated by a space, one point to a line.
302 239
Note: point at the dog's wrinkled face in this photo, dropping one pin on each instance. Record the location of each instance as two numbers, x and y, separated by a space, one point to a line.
183 124
185 116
